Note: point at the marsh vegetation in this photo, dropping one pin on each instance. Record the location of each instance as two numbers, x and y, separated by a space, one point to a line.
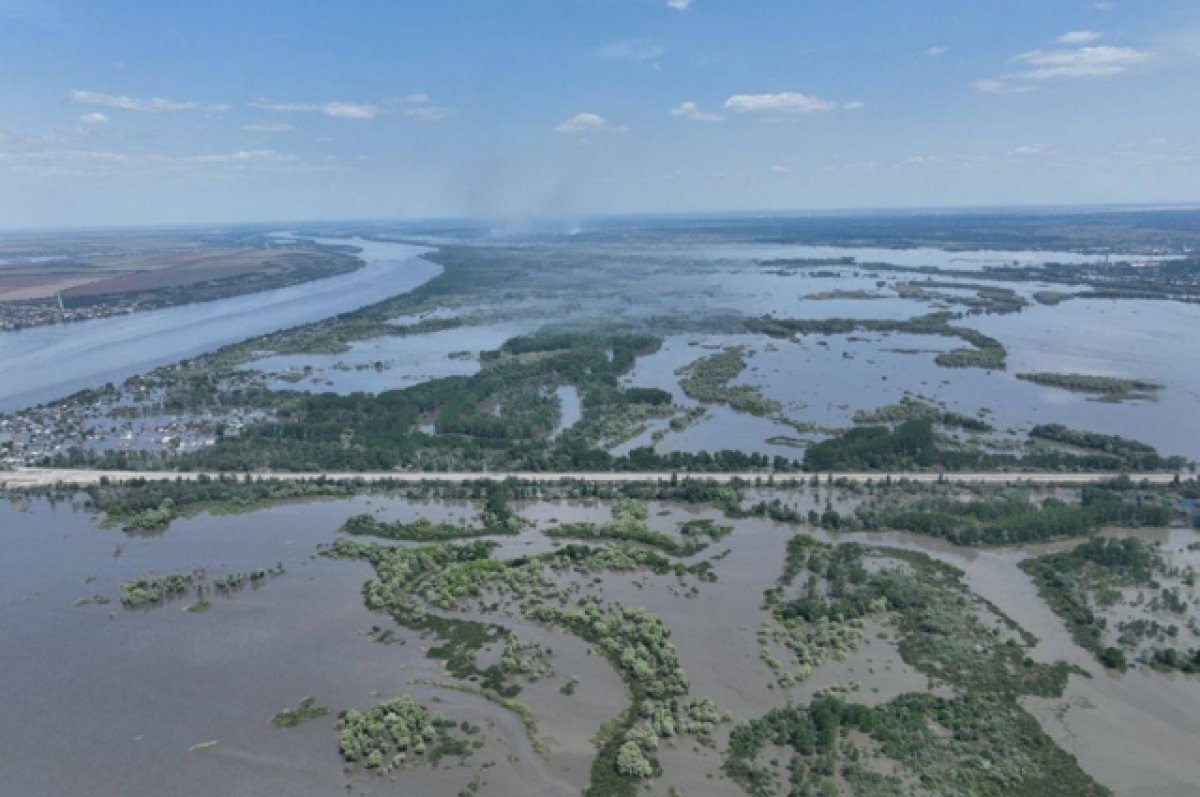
1128 602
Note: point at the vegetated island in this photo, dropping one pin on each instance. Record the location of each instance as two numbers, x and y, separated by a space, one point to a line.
150 592
291 717
1107 388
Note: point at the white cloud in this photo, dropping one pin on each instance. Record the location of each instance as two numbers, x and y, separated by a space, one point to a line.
336 109
1079 37
691 111
349 110
952 161
934 52
785 102
1000 87
1026 150
267 105
152 105
93 118
427 114
415 106
679 5
1104 5
588 123
1093 61
267 127
779 168
241 156
636 51
1098 61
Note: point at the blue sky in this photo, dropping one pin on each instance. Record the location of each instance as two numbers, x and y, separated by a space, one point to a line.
129 111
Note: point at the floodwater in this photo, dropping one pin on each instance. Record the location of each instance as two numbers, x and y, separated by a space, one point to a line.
915 257
46 363
1126 338
105 701
1134 732
391 363
721 427
821 380
824 380
570 408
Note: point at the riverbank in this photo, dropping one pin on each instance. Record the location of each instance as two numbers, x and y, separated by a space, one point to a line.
47 363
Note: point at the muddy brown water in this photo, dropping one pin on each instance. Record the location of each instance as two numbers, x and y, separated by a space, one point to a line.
103 701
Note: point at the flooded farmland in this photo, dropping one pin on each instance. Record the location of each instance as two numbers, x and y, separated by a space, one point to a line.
186 699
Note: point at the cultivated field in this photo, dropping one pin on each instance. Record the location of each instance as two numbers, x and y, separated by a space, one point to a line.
106 275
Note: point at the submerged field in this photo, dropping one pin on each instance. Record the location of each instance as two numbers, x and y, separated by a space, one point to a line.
558 639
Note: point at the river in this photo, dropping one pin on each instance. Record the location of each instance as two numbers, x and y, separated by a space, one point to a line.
46 363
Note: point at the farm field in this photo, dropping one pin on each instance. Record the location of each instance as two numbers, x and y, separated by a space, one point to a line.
78 279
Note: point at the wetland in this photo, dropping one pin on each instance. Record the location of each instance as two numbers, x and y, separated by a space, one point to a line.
558 638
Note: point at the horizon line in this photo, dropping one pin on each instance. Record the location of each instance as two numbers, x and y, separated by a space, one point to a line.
850 212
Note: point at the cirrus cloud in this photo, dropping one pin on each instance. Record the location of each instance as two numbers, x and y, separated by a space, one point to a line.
785 102
1079 37
336 108
990 86
427 114
267 127
1090 61
1098 61
153 105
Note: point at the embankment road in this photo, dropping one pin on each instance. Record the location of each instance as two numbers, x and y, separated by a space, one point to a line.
46 477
